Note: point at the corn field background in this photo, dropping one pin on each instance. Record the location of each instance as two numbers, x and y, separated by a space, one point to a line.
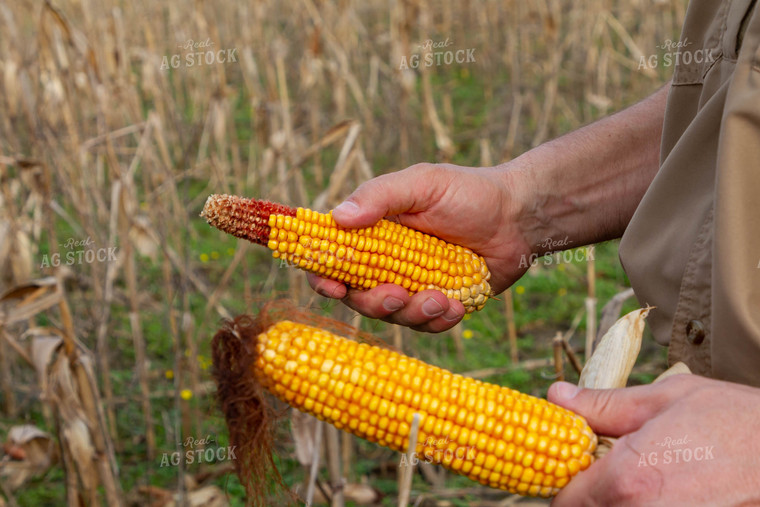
112 286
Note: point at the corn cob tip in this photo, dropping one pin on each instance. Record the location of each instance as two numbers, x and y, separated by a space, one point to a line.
243 218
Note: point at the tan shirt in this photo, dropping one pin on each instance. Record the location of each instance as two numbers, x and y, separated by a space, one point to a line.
693 246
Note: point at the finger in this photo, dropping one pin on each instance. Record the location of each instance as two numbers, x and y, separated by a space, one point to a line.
406 191
378 303
614 412
449 319
325 287
580 490
429 310
612 480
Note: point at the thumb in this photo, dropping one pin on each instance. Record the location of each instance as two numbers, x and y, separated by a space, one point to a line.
612 412
407 191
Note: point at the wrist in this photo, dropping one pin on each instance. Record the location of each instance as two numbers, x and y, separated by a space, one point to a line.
537 209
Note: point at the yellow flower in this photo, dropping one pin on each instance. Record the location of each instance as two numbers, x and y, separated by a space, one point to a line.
186 394
467 316
214 255
561 267
562 292
467 334
230 251
520 289
169 374
204 257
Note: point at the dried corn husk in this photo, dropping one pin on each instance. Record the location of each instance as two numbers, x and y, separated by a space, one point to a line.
613 359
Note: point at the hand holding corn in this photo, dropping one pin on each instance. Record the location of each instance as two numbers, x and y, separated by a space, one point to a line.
687 440
465 206
507 439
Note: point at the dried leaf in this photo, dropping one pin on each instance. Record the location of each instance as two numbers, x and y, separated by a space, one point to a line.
37 296
29 452
31 287
77 437
26 433
208 496
144 237
42 349
359 494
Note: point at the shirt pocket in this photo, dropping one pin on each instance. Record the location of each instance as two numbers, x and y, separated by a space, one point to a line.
702 40
736 25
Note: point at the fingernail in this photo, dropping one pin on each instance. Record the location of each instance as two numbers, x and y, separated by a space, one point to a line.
432 308
347 208
451 314
566 390
392 304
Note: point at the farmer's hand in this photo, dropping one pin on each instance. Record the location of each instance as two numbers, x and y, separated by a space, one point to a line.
687 440
466 206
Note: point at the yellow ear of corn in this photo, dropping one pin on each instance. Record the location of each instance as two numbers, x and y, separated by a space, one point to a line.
491 434
362 258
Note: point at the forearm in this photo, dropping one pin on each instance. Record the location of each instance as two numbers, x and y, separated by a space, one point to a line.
586 185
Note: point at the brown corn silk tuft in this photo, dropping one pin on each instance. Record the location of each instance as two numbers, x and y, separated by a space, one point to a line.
250 416
247 406
243 218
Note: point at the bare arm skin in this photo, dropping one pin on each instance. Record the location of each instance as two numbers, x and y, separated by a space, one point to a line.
587 184
584 186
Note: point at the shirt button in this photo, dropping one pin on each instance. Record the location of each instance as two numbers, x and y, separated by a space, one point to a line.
695 332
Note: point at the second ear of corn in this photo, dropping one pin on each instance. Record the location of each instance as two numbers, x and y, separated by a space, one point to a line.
362 258
491 434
